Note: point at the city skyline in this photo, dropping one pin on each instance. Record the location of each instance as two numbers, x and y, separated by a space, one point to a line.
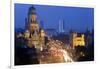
42 39
79 20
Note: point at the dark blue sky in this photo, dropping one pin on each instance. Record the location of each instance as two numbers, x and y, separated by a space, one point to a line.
75 18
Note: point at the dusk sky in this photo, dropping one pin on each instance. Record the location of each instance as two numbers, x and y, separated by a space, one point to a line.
75 18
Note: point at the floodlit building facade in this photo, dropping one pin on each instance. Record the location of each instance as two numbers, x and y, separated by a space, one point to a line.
34 35
77 40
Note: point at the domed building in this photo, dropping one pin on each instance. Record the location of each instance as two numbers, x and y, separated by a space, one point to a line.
34 35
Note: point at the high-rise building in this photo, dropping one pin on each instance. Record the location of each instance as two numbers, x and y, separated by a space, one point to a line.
61 26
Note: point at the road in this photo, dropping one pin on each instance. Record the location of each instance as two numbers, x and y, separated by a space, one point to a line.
54 53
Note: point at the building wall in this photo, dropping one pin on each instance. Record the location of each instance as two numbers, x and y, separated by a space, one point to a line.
78 41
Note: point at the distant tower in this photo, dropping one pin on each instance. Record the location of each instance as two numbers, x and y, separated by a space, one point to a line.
61 26
63 23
